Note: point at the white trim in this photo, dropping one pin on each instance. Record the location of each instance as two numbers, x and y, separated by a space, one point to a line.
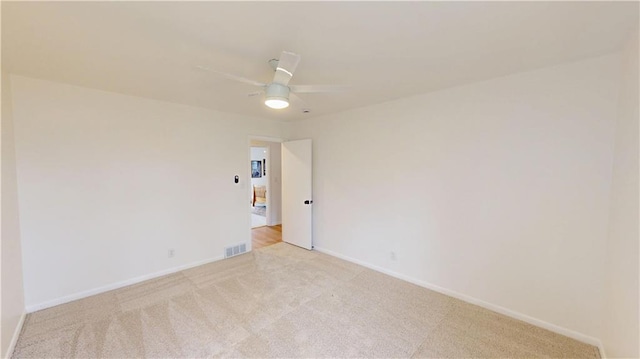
603 355
469 299
112 286
269 206
16 334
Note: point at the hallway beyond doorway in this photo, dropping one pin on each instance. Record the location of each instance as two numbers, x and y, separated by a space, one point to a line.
257 221
265 236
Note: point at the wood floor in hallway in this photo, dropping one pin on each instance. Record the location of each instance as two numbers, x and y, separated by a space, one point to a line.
266 236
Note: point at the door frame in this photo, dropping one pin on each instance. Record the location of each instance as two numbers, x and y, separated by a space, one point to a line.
248 179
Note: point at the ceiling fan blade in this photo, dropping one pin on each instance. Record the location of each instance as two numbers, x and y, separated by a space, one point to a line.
317 88
232 77
286 67
297 101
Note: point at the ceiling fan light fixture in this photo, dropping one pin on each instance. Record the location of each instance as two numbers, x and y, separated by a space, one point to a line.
277 103
277 96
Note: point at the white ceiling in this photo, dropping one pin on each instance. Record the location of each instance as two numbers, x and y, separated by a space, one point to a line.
383 50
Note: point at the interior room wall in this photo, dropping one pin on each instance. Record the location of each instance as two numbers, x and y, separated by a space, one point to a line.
109 183
12 307
496 191
621 334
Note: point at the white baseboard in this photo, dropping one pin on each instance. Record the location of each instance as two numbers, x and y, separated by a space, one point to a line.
469 299
603 355
112 286
16 334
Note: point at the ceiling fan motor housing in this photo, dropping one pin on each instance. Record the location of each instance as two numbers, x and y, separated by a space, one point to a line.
279 91
276 96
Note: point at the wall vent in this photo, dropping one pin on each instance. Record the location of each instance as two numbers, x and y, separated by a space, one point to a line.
235 250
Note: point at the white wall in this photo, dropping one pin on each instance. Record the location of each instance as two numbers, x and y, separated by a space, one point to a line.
496 190
12 307
621 334
108 183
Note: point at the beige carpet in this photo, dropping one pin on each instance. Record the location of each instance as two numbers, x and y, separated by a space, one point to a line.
282 301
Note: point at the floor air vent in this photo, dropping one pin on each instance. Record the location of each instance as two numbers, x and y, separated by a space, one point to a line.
235 250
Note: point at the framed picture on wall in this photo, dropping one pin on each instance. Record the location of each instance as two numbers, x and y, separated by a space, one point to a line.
256 169
264 166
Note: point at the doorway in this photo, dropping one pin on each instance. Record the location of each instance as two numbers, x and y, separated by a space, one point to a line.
260 186
265 192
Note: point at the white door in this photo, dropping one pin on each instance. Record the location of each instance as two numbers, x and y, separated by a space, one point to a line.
296 193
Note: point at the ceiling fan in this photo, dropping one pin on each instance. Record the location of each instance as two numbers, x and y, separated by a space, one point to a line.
278 92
